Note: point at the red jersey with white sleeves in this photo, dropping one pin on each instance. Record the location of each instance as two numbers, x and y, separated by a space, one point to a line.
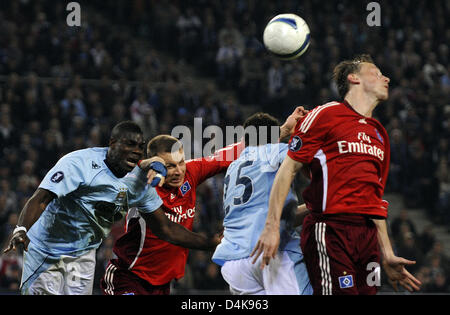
348 158
151 258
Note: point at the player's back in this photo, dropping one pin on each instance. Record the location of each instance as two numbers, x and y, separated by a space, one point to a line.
247 187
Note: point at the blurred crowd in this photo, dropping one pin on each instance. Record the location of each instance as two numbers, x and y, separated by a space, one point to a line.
63 88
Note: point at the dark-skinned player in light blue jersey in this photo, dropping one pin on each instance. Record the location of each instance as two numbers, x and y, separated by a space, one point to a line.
74 207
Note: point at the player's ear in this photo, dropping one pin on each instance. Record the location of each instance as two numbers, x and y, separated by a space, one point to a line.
353 78
112 141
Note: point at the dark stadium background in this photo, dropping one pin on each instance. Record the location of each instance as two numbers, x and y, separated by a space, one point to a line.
63 88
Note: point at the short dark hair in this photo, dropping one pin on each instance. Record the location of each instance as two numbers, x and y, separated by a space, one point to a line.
346 67
123 127
162 144
257 120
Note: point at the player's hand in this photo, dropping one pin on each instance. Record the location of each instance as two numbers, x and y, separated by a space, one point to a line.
18 240
267 245
398 275
152 173
288 127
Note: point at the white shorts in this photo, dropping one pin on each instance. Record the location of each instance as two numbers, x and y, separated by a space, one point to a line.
66 276
285 275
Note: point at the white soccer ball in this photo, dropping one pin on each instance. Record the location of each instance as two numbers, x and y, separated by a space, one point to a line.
286 36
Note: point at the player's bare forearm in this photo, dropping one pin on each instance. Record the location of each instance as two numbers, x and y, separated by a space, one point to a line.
383 239
269 239
280 190
394 266
300 215
34 207
28 216
177 234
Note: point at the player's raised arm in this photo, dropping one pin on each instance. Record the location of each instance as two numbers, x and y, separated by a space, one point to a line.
176 233
287 128
29 214
270 237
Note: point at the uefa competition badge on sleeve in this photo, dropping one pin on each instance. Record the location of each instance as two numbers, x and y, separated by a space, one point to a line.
295 144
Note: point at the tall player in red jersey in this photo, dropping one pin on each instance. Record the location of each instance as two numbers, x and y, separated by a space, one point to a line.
145 263
347 154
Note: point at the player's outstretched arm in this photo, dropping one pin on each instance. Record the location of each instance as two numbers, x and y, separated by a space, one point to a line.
269 239
394 266
288 127
176 233
29 214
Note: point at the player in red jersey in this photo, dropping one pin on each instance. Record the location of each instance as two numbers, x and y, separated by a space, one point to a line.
347 154
145 263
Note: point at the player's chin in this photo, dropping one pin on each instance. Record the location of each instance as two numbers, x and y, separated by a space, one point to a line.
175 183
383 96
128 166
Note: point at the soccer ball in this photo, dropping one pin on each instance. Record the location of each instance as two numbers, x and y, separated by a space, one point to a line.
286 36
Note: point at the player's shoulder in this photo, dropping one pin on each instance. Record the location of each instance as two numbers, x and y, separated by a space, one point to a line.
95 152
322 113
86 157
326 109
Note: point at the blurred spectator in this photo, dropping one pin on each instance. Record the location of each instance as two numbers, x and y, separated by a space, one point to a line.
143 114
400 222
10 272
251 78
72 105
409 249
397 167
426 239
438 284
189 28
228 60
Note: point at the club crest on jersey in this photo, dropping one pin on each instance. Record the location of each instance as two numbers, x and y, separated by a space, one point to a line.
185 188
346 282
295 144
95 166
57 177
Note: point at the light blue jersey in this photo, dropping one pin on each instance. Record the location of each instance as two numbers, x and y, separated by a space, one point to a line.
90 198
247 187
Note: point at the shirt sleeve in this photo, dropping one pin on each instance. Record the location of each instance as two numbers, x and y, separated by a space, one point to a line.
203 168
150 200
277 154
309 136
65 177
141 194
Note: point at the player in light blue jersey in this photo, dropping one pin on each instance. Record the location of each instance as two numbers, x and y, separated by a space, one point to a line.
74 207
247 186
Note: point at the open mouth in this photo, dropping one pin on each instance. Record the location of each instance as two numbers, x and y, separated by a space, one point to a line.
176 181
131 162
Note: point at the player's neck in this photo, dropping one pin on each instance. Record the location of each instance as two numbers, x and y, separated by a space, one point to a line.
361 102
113 169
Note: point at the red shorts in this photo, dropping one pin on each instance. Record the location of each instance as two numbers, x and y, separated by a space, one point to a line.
121 281
341 254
